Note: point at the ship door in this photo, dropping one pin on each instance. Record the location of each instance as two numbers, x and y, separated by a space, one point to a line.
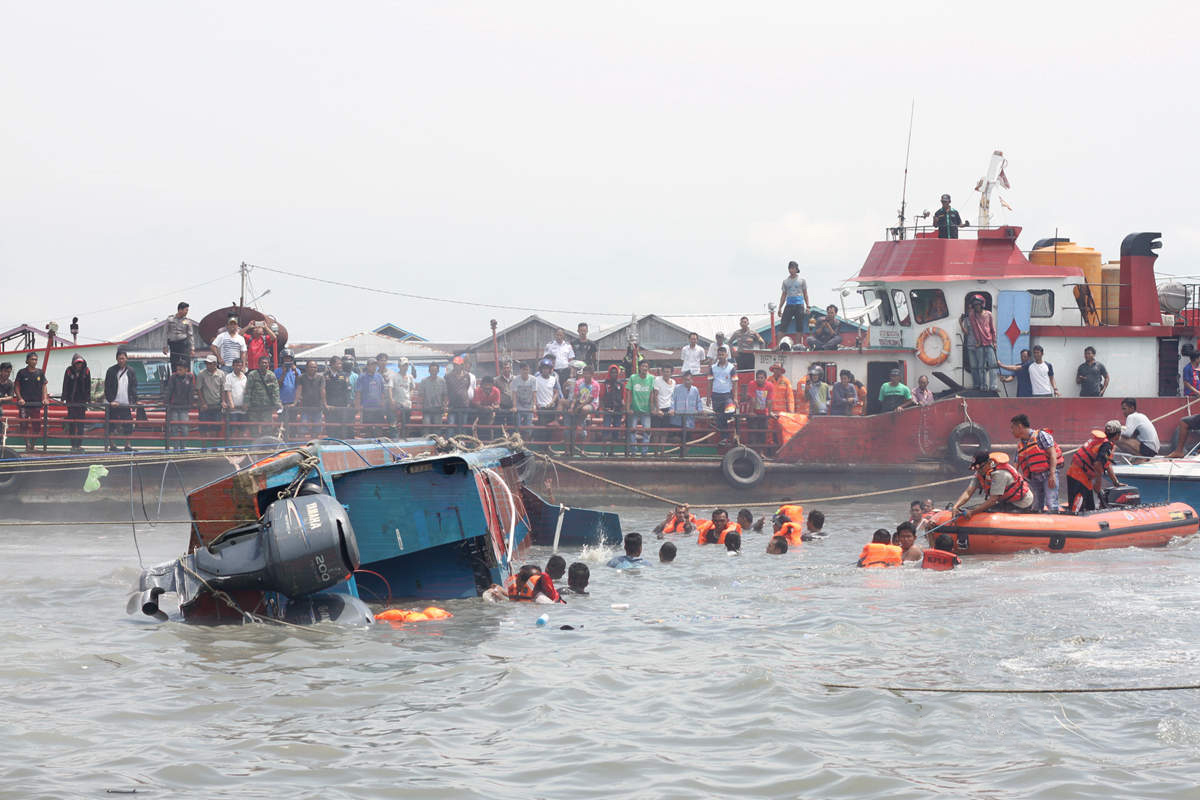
1012 325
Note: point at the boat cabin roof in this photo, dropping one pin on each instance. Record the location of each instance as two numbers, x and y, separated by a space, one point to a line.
991 255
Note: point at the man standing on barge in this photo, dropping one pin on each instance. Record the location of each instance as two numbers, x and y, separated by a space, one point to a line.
947 220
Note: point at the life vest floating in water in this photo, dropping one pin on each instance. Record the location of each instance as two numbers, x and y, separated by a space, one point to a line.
406 615
1004 532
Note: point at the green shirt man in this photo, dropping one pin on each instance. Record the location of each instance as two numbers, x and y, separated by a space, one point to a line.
640 388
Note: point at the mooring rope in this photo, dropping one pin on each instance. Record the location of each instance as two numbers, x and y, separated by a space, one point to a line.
953 690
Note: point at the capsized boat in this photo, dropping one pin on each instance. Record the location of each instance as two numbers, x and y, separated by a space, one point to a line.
421 518
1117 526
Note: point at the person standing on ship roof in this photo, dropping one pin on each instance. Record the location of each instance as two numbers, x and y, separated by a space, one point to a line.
179 336
982 353
585 349
563 354
1091 375
793 299
691 355
743 341
947 220
228 345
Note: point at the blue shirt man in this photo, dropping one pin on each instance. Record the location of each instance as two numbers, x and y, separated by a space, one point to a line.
633 554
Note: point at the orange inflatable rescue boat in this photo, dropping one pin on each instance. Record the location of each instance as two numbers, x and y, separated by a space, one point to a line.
1122 526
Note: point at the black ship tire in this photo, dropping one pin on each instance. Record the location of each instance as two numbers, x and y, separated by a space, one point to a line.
11 475
743 468
960 454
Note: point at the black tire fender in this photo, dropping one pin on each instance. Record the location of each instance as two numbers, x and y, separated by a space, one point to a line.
956 454
743 468
11 475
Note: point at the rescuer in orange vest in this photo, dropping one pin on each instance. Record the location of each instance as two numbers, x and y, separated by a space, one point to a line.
1038 460
1002 486
678 521
941 555
1089 465
714 531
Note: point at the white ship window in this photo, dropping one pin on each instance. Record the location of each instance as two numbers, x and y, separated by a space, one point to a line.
928 305
900 301
881 315
1043 303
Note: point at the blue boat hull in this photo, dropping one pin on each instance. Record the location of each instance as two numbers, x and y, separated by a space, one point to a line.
580 526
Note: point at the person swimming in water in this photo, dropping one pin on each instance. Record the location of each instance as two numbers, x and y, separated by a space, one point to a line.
733 543
880 552
633 554
530 584
906 538
777 546
556 567
815 524
578 576
680 520
666 553
745 519
941 555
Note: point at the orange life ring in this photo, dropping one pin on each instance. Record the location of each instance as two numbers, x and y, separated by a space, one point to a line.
933 361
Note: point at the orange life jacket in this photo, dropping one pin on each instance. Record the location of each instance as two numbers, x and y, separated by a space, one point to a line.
875 554
704 526
1058 455
938 559
792 532
675 526
793 512
1087 465
1015 491
802 395
857 411
524 591
1031 458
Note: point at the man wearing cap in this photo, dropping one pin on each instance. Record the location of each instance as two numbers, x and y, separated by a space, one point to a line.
981 349
179 336
782 398
1091 462
228 345
77 393
210 384
893 394
1002 487
947 220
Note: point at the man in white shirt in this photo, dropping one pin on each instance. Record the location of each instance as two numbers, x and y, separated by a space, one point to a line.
1041 375
403 387
547 393
1138 434
563 354
711 354
228 345
664 391
692 355
724 387
234 393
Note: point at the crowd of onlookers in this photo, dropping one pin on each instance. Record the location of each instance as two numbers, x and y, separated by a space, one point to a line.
249 387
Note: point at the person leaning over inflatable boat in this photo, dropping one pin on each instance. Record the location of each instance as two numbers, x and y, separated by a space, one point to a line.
1089 465
1002 487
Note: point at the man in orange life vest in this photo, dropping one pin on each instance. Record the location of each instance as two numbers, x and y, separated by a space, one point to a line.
880 552
532 585
1038 460
678 521
1089 465
713 531
791 531
941 555
1002 486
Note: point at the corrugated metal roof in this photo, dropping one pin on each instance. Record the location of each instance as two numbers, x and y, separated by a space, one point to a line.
367 344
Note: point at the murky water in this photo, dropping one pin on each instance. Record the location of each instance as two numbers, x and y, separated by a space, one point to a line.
708 685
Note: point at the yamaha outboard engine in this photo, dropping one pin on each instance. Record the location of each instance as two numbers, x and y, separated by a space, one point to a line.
300 546
1121 496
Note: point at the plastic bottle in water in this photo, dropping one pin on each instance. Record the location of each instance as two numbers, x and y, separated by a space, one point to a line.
543 620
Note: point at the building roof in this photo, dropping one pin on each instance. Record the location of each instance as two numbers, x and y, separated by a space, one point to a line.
367 344
27 328
395 331
145 327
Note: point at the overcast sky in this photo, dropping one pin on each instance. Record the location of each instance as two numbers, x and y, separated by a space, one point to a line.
616 157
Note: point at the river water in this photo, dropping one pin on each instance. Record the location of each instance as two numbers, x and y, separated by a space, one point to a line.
708 685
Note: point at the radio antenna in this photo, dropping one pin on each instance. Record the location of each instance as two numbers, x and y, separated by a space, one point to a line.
907 149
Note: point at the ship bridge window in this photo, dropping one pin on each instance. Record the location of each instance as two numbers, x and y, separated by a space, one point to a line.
1042 304
928 305
900 301
882 314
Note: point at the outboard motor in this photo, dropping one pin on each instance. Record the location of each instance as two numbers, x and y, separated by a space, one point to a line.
1121 496
300 546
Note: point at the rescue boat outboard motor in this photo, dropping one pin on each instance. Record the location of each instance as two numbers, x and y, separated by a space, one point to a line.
300 546
1121 496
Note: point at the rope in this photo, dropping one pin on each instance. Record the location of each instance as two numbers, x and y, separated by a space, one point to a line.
943 690
617 484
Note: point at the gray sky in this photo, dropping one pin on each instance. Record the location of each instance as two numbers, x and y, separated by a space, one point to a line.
621 157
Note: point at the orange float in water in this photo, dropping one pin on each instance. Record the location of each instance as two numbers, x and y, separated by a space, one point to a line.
1132 526
405 615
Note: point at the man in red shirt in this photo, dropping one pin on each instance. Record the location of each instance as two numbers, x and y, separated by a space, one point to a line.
259 343
760 396
486 401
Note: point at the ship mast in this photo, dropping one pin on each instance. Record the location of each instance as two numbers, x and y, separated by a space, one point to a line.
904 189
995 177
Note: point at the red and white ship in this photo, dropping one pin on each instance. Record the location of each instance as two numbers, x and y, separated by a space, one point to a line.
1061 296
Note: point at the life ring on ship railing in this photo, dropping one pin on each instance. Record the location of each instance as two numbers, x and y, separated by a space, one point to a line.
933 361
743 468
955 452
